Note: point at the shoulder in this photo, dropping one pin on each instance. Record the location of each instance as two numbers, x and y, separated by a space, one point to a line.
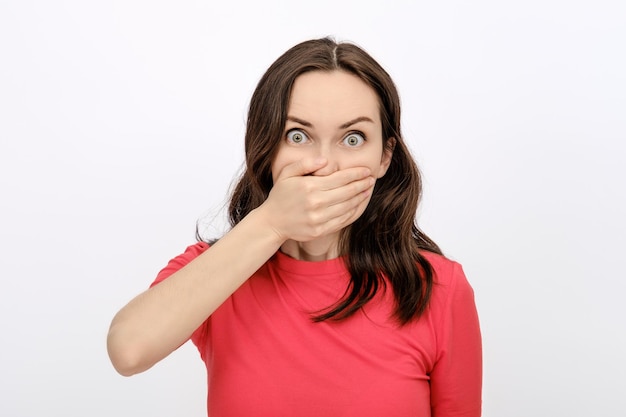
449 281
446 271
178 262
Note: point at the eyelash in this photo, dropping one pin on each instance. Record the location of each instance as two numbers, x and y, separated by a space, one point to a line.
291 131
354 132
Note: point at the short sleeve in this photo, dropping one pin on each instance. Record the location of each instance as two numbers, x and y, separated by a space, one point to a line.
456 378
180 261
192 252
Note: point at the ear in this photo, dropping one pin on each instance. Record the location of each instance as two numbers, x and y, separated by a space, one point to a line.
385 161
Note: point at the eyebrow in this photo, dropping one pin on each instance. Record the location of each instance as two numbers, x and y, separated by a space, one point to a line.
343 126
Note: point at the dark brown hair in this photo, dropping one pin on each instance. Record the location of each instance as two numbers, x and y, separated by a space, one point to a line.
385 241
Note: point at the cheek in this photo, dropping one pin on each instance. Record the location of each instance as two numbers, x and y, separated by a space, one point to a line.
281 160
375 164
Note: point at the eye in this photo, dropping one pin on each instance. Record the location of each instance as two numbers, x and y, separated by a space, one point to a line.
354 139
297 136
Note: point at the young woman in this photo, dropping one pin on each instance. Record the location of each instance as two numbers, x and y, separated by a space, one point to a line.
324 298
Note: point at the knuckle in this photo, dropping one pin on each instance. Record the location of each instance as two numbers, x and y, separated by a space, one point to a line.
317 231
314 220
307 186
313 203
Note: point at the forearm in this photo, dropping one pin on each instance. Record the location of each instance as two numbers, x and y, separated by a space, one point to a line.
158 321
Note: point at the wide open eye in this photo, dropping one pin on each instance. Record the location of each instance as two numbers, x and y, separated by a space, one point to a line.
354 139
297 136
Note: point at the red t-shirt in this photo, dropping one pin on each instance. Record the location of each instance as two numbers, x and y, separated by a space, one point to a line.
265 357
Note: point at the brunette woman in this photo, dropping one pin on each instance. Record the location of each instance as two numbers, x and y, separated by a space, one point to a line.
324 298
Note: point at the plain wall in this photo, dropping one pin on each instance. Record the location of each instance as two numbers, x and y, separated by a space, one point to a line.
121 124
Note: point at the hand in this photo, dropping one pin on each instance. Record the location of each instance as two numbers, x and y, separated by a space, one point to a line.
303 207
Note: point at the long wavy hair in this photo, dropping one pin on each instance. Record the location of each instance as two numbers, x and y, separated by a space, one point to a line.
383 245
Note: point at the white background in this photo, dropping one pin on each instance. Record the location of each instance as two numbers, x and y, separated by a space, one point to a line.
121 124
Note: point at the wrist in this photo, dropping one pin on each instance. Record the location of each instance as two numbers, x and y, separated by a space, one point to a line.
261 218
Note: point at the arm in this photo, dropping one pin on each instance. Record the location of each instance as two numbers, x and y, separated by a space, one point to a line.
456 379
162 318
159 320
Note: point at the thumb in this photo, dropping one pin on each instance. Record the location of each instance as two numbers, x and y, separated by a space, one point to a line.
302 167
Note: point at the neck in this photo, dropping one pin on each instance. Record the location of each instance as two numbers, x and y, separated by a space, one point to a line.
321 249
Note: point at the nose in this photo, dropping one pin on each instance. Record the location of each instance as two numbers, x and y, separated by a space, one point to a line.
333 165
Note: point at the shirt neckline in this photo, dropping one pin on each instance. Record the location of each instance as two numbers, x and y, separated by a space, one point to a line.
329 267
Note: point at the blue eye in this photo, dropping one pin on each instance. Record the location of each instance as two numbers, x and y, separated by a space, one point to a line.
296 136
354 139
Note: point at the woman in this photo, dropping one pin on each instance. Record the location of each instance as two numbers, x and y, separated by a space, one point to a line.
324 298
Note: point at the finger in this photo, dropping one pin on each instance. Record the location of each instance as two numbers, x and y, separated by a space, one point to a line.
332 218
347 205
302 167
343 177
348 191
343 219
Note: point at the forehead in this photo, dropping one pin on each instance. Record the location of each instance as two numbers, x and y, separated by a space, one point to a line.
332 95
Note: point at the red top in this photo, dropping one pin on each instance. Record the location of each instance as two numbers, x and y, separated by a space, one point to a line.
265 357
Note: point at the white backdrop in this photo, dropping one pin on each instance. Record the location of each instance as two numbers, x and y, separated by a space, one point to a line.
121 124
